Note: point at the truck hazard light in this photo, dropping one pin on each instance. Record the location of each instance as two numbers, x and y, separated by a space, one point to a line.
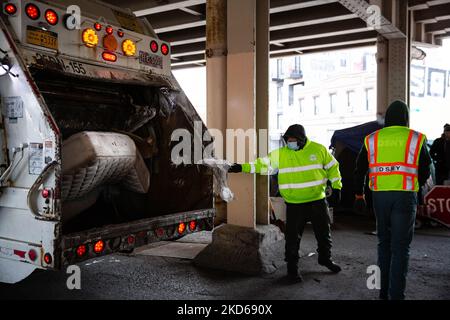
129 48
165 49
51 17
32 11
89 37
181 228
10 9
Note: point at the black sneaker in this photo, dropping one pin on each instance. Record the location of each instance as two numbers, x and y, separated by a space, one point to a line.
294 277
333 267
293 274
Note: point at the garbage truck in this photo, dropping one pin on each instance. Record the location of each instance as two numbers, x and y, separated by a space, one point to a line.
89 104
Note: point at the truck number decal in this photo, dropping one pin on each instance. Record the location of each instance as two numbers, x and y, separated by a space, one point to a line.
60 64
150 60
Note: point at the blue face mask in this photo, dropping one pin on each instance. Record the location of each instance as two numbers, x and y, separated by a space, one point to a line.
293 145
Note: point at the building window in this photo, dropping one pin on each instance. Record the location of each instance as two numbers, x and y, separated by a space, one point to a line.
351 101
301 102
370 99
279 68
297 64
279 121
316 105
333 102
280 97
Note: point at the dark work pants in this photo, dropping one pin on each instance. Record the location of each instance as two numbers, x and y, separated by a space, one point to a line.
396 214
297 215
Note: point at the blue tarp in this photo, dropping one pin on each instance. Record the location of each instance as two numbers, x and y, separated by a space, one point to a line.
353 138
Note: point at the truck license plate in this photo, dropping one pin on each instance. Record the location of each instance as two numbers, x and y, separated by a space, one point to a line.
42 38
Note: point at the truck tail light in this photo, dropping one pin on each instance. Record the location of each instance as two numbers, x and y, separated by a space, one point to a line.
181 228
129 48
165 49
99 246
32 255
48 258
81 250
10 9
109 30
51 17
97 26
154 46
89 37
108 56
192 225
32 11
120 33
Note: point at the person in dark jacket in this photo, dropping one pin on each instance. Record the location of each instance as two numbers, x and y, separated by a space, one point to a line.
397 171
440 153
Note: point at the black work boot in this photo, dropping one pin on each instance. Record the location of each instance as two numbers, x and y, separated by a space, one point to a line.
333 267
293 274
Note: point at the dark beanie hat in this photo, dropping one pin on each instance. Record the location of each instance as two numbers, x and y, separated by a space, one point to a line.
295 131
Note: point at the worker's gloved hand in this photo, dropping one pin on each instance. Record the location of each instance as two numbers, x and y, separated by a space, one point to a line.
235 168
360 204
335 198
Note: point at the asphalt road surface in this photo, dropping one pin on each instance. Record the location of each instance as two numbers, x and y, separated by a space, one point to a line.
139 276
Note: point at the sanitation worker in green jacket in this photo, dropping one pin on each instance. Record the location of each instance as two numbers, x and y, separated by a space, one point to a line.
304 169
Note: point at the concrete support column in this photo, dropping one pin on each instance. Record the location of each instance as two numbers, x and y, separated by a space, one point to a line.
241 113
216 78
262 105
248 243
394 57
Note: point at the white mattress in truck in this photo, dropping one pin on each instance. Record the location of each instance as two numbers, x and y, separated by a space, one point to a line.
93 159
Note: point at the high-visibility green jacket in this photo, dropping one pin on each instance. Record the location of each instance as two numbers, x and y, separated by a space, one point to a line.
393 154
302 175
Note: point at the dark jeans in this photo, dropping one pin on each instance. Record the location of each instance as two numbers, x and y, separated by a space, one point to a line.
297 215
396 214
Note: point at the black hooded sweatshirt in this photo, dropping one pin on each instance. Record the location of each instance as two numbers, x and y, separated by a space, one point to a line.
396 115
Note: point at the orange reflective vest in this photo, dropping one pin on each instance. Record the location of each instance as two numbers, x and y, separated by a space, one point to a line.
393 154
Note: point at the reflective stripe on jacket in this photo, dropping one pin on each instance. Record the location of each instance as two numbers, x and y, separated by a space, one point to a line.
393 154
302 175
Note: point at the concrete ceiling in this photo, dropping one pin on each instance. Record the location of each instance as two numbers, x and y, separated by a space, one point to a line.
297 26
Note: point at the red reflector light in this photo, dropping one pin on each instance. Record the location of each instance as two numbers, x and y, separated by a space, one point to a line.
160 232
109 30
97 26
130 240
20 253
45 193
10 9
181 228
81 250
99 246
192 225
32 11
48 258
32 255
154 46
51 16
165 49
120 33
109 57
